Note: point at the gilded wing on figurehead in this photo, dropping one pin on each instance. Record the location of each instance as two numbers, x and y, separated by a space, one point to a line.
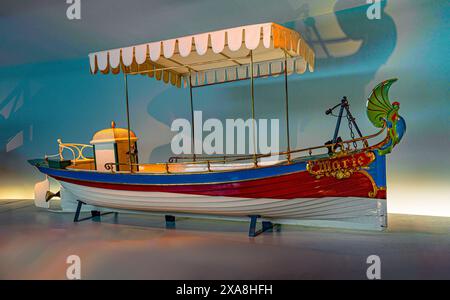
378 104
381 112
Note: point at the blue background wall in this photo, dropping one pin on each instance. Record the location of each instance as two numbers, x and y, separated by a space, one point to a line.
47 92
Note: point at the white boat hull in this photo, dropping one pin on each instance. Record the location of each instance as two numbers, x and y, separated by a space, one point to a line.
346 212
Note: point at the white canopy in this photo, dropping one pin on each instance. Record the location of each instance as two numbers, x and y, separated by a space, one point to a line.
211 57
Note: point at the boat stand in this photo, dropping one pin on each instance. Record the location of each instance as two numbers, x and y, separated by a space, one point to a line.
170 222
95 214
266 226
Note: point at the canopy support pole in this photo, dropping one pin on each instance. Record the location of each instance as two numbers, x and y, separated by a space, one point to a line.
128 123
192 116
288 155
252 88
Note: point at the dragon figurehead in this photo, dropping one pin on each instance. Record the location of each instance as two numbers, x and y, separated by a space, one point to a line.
380 111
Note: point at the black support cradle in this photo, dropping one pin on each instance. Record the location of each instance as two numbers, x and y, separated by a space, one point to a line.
266 226
95 214
170 222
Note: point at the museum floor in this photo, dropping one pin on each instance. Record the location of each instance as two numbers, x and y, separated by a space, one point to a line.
34 244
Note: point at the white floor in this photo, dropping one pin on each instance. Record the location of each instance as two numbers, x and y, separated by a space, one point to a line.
34 244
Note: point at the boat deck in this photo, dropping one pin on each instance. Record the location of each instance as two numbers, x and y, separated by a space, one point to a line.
190 167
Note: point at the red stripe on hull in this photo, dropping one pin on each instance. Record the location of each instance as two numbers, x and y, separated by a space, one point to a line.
296 185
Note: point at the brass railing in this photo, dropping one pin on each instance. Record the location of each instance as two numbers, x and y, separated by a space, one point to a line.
208 162
343 145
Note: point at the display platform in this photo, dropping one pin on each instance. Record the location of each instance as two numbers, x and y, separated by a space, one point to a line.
35 243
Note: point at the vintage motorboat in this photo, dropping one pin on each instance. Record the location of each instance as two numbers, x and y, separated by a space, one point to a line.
340 183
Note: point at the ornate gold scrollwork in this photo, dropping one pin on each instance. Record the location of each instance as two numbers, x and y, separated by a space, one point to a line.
374 192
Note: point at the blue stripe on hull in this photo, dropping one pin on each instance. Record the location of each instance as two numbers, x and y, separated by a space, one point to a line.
377 170
192 178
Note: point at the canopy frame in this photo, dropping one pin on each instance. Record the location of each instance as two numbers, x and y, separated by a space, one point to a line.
270 40
252 92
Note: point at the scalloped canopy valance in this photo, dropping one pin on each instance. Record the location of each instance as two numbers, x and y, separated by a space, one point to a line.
211 57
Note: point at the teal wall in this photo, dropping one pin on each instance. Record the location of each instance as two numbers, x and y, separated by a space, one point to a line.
47 92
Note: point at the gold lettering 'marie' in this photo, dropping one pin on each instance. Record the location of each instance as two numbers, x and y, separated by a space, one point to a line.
341 167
